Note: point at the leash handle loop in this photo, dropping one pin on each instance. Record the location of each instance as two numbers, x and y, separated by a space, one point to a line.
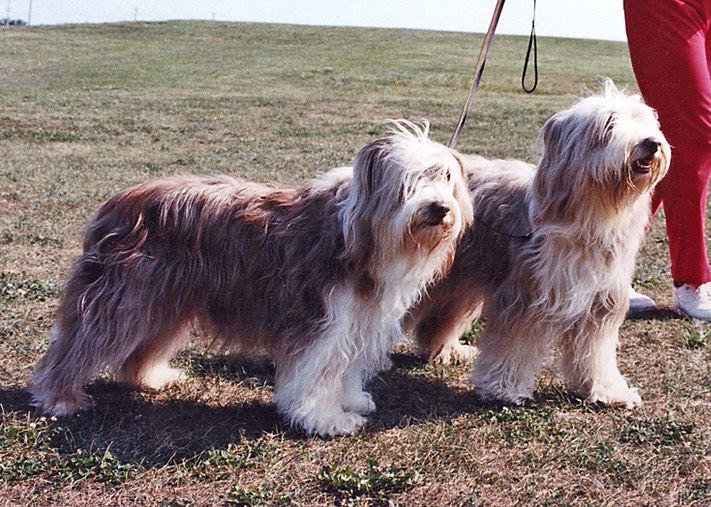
532 46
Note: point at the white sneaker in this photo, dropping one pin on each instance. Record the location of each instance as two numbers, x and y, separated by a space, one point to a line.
639 302
694 302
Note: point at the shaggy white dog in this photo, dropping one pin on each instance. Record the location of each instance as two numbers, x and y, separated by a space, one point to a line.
551 254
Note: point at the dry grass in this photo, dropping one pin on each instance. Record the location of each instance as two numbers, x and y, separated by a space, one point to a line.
88 110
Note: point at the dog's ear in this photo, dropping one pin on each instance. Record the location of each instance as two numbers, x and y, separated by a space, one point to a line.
369 168
462 193
552 185
551 134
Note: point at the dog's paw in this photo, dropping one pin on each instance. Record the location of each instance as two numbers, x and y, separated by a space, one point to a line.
362 403
627 398
456 354
506 388
66 404
161 376
345 423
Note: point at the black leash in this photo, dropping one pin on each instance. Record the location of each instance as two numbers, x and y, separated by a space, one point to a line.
493 229
532 45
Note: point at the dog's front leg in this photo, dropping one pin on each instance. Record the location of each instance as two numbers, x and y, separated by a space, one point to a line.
355 398
509 357
589 363
316 391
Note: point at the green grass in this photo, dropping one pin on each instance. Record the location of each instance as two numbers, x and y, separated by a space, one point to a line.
88 110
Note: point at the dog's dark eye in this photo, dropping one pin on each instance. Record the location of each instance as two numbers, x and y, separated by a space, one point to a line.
447 175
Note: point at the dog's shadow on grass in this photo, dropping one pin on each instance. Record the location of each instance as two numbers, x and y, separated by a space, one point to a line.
157 428
660 314
411 393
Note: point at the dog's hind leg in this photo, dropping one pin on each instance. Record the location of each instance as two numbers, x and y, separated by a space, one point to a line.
82 342
148 365
105 319
57 385
437 326
589 363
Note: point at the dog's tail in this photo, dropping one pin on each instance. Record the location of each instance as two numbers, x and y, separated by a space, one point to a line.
114 304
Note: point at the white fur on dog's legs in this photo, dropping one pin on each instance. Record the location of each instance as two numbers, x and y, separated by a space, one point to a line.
456 353
589 362
355 398
316 406
506 366
161 375
310 391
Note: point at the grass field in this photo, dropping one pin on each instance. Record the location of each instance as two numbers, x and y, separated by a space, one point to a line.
88 110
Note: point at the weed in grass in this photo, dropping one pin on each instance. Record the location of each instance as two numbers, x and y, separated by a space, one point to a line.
83 465
256 497
27 450
30 239
521 424
39 135
473 333
696 337
376 482
251 496
656 432
601 459
697 492
14 286
217 464
27 433
174 502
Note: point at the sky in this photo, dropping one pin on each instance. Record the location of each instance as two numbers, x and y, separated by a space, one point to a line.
585 19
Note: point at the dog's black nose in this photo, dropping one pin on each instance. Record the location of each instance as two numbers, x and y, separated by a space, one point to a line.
652 144
437 211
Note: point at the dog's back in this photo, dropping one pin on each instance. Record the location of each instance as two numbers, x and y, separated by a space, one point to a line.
207 247
501 199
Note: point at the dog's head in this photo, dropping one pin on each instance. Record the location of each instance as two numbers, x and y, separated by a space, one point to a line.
603 153
409 198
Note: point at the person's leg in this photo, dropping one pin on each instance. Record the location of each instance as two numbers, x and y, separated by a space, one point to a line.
668 48
684 199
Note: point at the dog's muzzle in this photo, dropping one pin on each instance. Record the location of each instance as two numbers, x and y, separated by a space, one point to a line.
648 150
436 213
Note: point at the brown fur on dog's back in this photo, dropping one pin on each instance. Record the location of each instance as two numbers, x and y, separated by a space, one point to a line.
156 227
139 281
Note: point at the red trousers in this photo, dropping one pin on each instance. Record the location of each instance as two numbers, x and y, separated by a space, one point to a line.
670 48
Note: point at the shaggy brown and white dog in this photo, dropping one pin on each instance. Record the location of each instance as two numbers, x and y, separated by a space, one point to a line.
316 276
551 254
